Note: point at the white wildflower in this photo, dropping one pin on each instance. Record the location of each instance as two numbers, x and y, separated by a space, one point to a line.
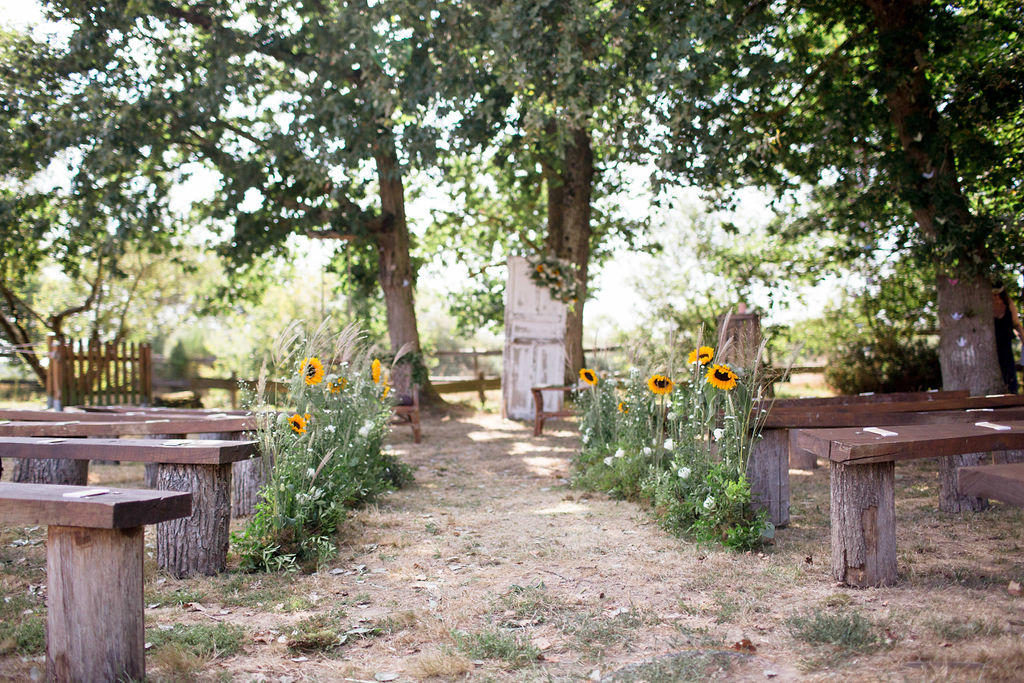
669 444
620 453
684 472
647 450
709 503
310 473
330 428
586 438
718 434
608 461
672 416
366 429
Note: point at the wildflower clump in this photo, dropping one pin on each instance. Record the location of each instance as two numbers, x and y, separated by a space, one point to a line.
678 437
322 442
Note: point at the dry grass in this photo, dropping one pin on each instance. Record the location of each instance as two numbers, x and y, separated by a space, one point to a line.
491 540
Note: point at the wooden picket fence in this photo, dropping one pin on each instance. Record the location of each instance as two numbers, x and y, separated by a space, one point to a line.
99 373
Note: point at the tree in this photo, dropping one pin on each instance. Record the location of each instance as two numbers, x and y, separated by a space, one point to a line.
310 114
898 114
557 99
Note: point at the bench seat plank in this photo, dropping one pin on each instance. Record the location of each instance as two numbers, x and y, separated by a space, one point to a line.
793 417
855 446
193 452
24 504
1001 482
72 427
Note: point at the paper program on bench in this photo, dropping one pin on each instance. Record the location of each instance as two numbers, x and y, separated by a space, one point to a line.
86 493
992 425
880 431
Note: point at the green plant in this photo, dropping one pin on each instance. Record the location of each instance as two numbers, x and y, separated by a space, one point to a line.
496 644
201 640
324 452
678 436
848 629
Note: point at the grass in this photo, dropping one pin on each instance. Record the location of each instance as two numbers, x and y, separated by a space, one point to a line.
326 633
264 591
22 633
692 665
961 629
200 640
440 664
495 643
846 630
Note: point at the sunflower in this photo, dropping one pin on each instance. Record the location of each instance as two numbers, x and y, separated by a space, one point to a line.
588 376
375 370
623 408
540 267
387 390
722 376
703 355
660 384
312 370
298 423
336 385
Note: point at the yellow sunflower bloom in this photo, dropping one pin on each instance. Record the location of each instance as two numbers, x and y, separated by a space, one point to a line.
540 267
660 385
387 390
298 423
722 376
312 371
588 376
375 370
623 408
336 385
703 355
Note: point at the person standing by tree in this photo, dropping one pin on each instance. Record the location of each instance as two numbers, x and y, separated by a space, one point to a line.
1007 321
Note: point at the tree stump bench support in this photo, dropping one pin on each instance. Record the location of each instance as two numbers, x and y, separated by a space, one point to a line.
185 547
539 414
95 625
863 495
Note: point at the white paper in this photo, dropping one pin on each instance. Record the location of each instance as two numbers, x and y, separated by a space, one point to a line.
86 493
979 410
52 440
992 425
177 442
880 431
216 416
866 393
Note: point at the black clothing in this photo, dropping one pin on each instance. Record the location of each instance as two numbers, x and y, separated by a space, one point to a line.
1004 350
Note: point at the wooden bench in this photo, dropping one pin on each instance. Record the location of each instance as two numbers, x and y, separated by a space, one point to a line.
95 626
1002 482
863 507
185 547
539 414
127 427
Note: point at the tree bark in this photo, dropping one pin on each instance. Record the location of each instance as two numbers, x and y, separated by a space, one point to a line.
570 190
768 474
863 516
95 629
197 544
397 275
247 477
50 471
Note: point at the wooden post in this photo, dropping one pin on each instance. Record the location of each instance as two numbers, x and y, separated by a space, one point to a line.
198 544
95 628
951 500
146 370
768 473
863 515
247 477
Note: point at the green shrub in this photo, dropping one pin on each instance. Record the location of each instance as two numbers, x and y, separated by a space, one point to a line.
883 365
324 452
496 644
201 640
847 630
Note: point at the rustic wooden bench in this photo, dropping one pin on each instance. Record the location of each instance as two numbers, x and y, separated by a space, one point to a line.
539 414
863 507
1001 482
127 427
95 626
185 547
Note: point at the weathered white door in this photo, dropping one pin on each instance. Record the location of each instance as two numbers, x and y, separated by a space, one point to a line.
534 343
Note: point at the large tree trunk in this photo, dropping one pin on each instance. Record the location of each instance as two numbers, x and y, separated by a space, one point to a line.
569 232
397 276
50 471
967 350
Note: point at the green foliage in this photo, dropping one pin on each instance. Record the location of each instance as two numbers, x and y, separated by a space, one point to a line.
201 640
496 644
325 457
685 453
845 629
22 625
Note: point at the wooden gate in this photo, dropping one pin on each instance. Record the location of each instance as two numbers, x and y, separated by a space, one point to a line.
534 343
99 373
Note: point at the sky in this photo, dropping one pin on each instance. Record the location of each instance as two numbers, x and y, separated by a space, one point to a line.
615 304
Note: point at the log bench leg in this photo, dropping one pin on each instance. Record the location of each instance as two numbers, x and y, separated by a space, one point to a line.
151 467
197 544
768 473
247 477
951 500
864 524
95 628
50 471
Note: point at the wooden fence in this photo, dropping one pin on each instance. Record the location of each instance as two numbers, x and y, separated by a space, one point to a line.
99 373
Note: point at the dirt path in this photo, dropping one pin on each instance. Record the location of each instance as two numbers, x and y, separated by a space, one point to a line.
491 567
